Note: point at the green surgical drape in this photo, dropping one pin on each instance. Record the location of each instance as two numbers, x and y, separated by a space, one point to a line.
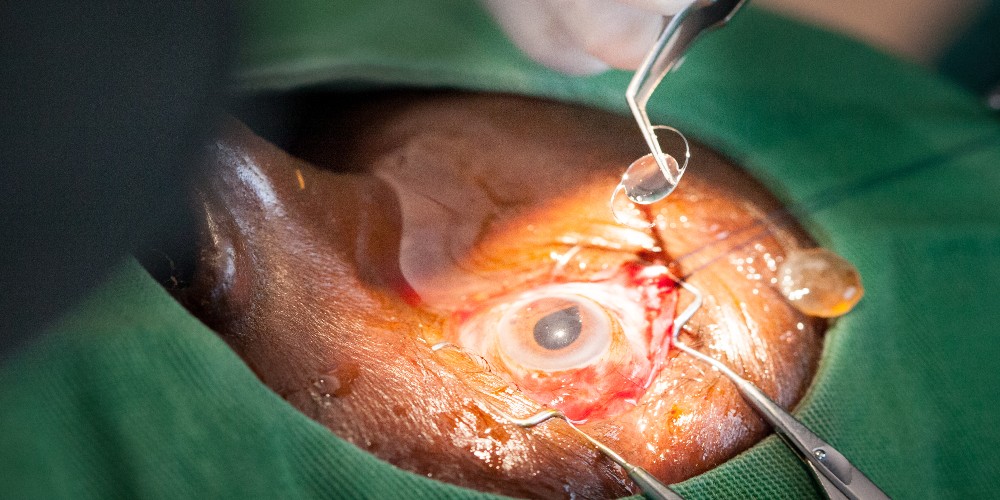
889 165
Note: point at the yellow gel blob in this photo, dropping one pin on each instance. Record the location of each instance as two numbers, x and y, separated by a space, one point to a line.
820 283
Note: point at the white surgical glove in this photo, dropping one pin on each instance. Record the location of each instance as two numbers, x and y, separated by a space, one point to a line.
583 37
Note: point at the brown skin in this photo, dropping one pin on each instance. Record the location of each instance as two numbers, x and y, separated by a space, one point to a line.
309 282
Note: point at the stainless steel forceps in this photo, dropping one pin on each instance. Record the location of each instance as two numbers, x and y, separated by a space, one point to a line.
839 478
681 31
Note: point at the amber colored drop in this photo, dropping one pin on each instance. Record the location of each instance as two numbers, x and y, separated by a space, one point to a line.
820 283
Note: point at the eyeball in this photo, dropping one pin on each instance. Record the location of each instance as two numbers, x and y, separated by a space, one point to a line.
554 332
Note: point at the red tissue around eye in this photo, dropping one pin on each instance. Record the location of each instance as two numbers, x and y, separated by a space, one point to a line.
640 301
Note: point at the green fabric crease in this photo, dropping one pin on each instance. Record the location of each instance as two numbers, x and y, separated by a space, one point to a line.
894 168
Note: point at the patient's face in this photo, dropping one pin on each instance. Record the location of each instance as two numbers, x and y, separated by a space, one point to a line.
482 221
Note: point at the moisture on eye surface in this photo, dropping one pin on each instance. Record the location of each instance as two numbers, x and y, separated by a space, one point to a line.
551 331
559 329
820 283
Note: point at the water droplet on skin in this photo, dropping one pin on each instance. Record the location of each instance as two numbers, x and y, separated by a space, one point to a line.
321 399
820 283
326 384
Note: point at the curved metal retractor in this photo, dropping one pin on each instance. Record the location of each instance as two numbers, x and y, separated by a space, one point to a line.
839 478
652 488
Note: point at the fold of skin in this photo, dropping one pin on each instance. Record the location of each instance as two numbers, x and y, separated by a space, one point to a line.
404 218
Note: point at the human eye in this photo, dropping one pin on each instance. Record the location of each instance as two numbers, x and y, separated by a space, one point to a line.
405 223
586 348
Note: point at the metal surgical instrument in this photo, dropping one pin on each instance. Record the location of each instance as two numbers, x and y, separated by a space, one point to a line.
838 477
651 487
681 30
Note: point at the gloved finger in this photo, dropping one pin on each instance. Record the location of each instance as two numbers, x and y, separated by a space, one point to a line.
584 36
615 33
661 7
536 27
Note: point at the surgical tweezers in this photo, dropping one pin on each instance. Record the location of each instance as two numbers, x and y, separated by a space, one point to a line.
838 477
681 30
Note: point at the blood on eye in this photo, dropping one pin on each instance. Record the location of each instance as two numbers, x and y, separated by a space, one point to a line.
589 349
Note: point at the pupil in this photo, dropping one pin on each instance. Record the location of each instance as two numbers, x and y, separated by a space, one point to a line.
559 329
